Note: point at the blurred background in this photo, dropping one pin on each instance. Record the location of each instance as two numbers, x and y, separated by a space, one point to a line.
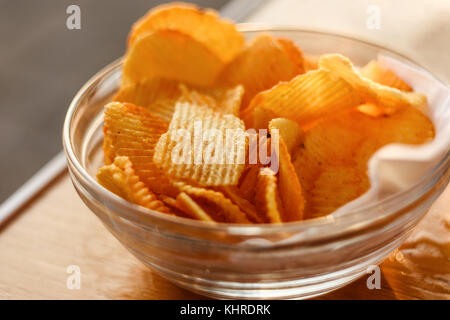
43 64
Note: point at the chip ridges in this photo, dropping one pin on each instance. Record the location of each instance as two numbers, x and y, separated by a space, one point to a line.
207 174
120 178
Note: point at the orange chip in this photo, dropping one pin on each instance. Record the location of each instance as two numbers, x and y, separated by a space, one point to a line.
311 62
220 207
133 131
202 146
408 126
304 99
267 198
191 208
387 98
223 100
247 184
336 186
173 55
262 64
157 95
205 26
119 178
291 193
331 142
246 206
290 131
375 72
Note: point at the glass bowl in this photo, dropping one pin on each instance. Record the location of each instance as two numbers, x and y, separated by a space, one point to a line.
292 260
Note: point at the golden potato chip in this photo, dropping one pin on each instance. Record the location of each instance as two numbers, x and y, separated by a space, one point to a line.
290 131
173 55
244 205
119 178
387 98
247 185
335 186
205 26
305 99
191 208
267 198
375 72
290 190
222 209
157 95
331 142
261 65
408 126
311 62
220 99
202 146
133 131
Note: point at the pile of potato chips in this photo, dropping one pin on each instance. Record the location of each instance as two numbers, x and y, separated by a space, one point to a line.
184 67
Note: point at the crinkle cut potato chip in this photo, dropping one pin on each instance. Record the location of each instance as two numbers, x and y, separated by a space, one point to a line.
304 99
221 99
173 55
205 26
386 98
120 178
407 126
267 198
191 208
233 193
382 75
262 64
289 187
202 146
335 186
157 95
217 206
133 132
345 143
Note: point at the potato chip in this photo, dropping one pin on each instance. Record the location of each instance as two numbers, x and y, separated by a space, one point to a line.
290 131
387 98
202 146
247 185
119 178
244 205
205 26
304 99
408 126
133 131
290 190
220 99
157 95
173 55
267 198
191 208
222 209
375 72
311 62
331 142
261 65
334 187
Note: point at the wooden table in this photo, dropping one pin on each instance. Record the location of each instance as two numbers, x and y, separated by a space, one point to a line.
56 230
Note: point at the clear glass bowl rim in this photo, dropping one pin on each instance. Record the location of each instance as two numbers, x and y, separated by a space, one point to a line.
355 220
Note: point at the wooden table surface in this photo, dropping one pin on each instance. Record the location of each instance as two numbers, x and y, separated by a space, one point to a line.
57 230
